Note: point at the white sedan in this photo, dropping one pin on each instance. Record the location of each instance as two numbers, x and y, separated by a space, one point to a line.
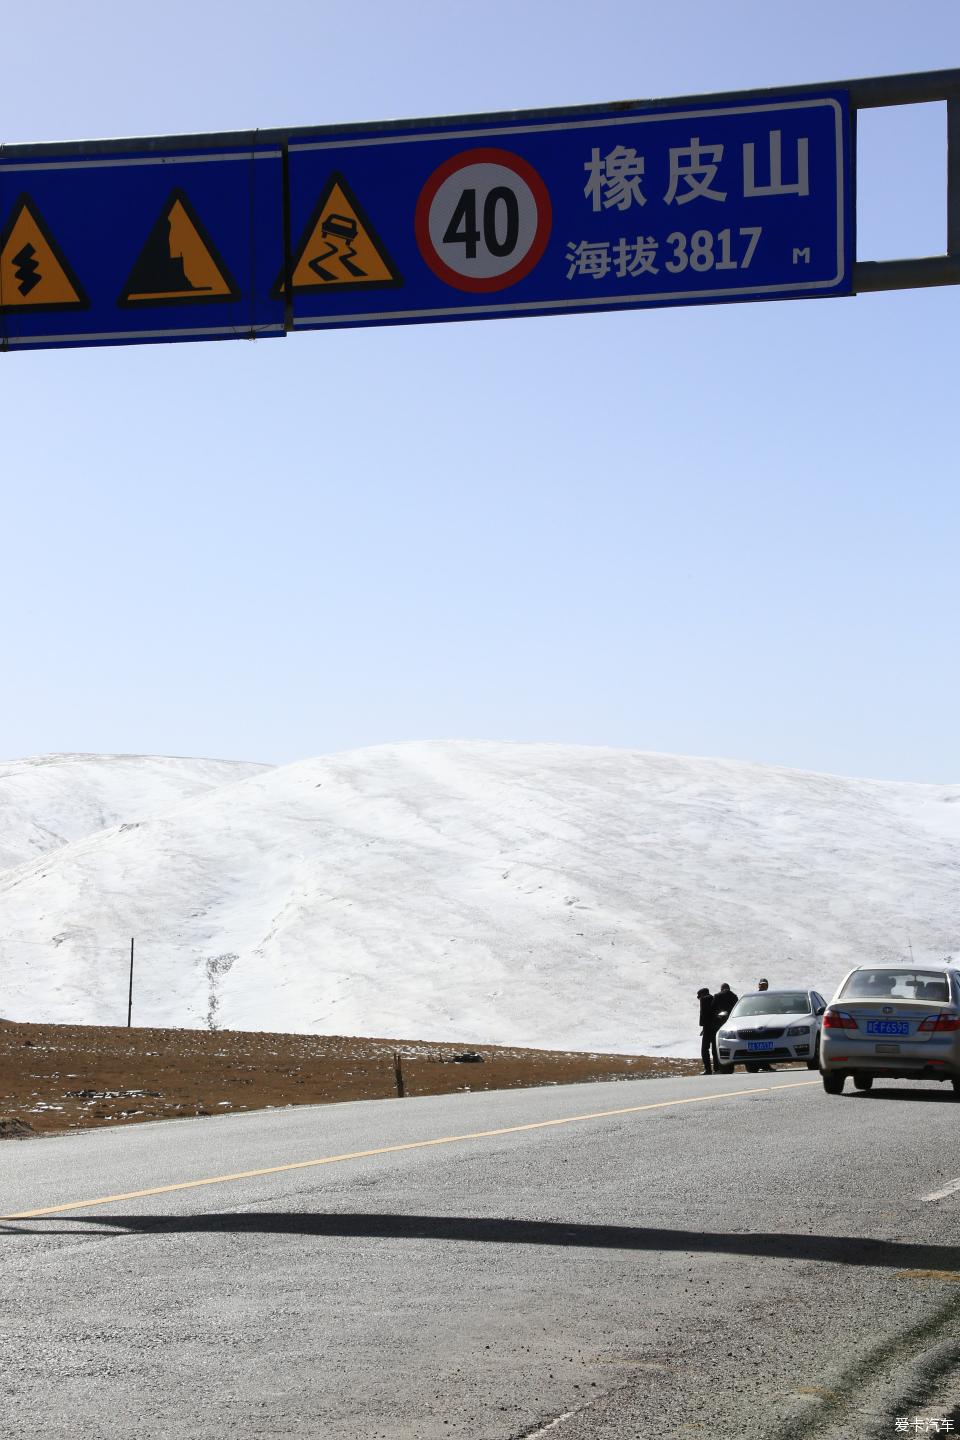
769 1026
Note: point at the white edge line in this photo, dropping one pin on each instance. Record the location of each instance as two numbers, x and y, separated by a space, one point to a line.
546 127
949 1189
552 1424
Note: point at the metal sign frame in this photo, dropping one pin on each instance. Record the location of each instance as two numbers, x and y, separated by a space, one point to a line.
870 93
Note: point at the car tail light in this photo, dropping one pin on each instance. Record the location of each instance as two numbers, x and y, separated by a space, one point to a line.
839 1020
940 1022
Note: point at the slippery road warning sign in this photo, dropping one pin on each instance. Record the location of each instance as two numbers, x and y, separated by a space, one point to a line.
340 246
178 261
34 273
483 219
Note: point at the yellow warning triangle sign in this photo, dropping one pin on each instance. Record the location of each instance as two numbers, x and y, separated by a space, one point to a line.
34 274
339 246
178 263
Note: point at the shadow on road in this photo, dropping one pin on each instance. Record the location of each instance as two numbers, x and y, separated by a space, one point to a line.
926 1097
834 1249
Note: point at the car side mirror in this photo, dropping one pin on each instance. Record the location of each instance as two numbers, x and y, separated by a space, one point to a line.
821 1009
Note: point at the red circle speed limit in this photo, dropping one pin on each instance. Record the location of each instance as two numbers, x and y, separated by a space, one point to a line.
483 219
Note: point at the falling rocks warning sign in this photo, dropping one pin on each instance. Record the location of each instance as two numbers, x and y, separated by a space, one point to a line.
178 262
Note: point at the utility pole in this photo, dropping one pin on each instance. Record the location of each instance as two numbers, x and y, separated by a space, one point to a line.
130 996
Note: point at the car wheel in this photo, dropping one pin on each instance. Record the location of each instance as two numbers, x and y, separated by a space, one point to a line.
724 1069
956 1087
833 1081
751 1069
814 1064
863 1082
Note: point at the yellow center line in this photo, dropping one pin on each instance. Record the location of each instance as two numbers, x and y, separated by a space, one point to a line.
926 1275
394 1149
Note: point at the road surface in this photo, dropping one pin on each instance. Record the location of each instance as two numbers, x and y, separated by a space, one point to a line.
734 1256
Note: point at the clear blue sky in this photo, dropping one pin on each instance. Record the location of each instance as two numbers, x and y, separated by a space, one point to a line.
725 530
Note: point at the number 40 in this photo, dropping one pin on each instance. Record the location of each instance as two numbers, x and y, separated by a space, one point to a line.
464 229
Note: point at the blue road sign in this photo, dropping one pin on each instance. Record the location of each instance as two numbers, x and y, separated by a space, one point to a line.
111 246
544 215
536 214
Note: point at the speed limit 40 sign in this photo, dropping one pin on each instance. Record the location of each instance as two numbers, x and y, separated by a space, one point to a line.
483 220
633 206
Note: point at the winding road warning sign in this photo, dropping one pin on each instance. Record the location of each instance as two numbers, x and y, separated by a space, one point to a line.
483 219
178 262
34 274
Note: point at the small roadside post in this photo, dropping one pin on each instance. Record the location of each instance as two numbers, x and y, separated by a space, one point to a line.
130 993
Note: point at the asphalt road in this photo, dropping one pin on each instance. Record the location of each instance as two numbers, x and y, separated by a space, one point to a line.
732 1256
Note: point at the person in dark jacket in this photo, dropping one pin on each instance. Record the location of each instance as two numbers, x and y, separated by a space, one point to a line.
723 1003
708 1029
764 985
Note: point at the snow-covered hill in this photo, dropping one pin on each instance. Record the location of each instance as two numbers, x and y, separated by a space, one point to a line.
48 800
545 895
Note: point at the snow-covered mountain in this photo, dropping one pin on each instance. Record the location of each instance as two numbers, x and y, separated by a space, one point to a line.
48 800
551 895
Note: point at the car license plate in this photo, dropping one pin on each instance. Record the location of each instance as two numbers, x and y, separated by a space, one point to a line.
888 1027
888 1049
759 1044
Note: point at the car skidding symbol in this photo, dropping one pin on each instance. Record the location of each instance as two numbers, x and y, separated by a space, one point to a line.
344 230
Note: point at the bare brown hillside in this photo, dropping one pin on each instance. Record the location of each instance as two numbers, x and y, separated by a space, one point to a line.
55 1078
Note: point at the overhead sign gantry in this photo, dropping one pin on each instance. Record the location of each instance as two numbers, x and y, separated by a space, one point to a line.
677 202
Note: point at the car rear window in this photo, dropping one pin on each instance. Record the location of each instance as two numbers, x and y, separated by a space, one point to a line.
775 1002
889 984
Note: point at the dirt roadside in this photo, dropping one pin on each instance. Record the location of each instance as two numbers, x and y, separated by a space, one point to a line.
56 1078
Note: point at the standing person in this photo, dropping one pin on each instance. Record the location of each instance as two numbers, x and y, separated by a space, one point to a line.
708 1029
723 1003
764 985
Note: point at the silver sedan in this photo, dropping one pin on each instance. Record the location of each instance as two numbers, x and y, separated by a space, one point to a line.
892 1020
